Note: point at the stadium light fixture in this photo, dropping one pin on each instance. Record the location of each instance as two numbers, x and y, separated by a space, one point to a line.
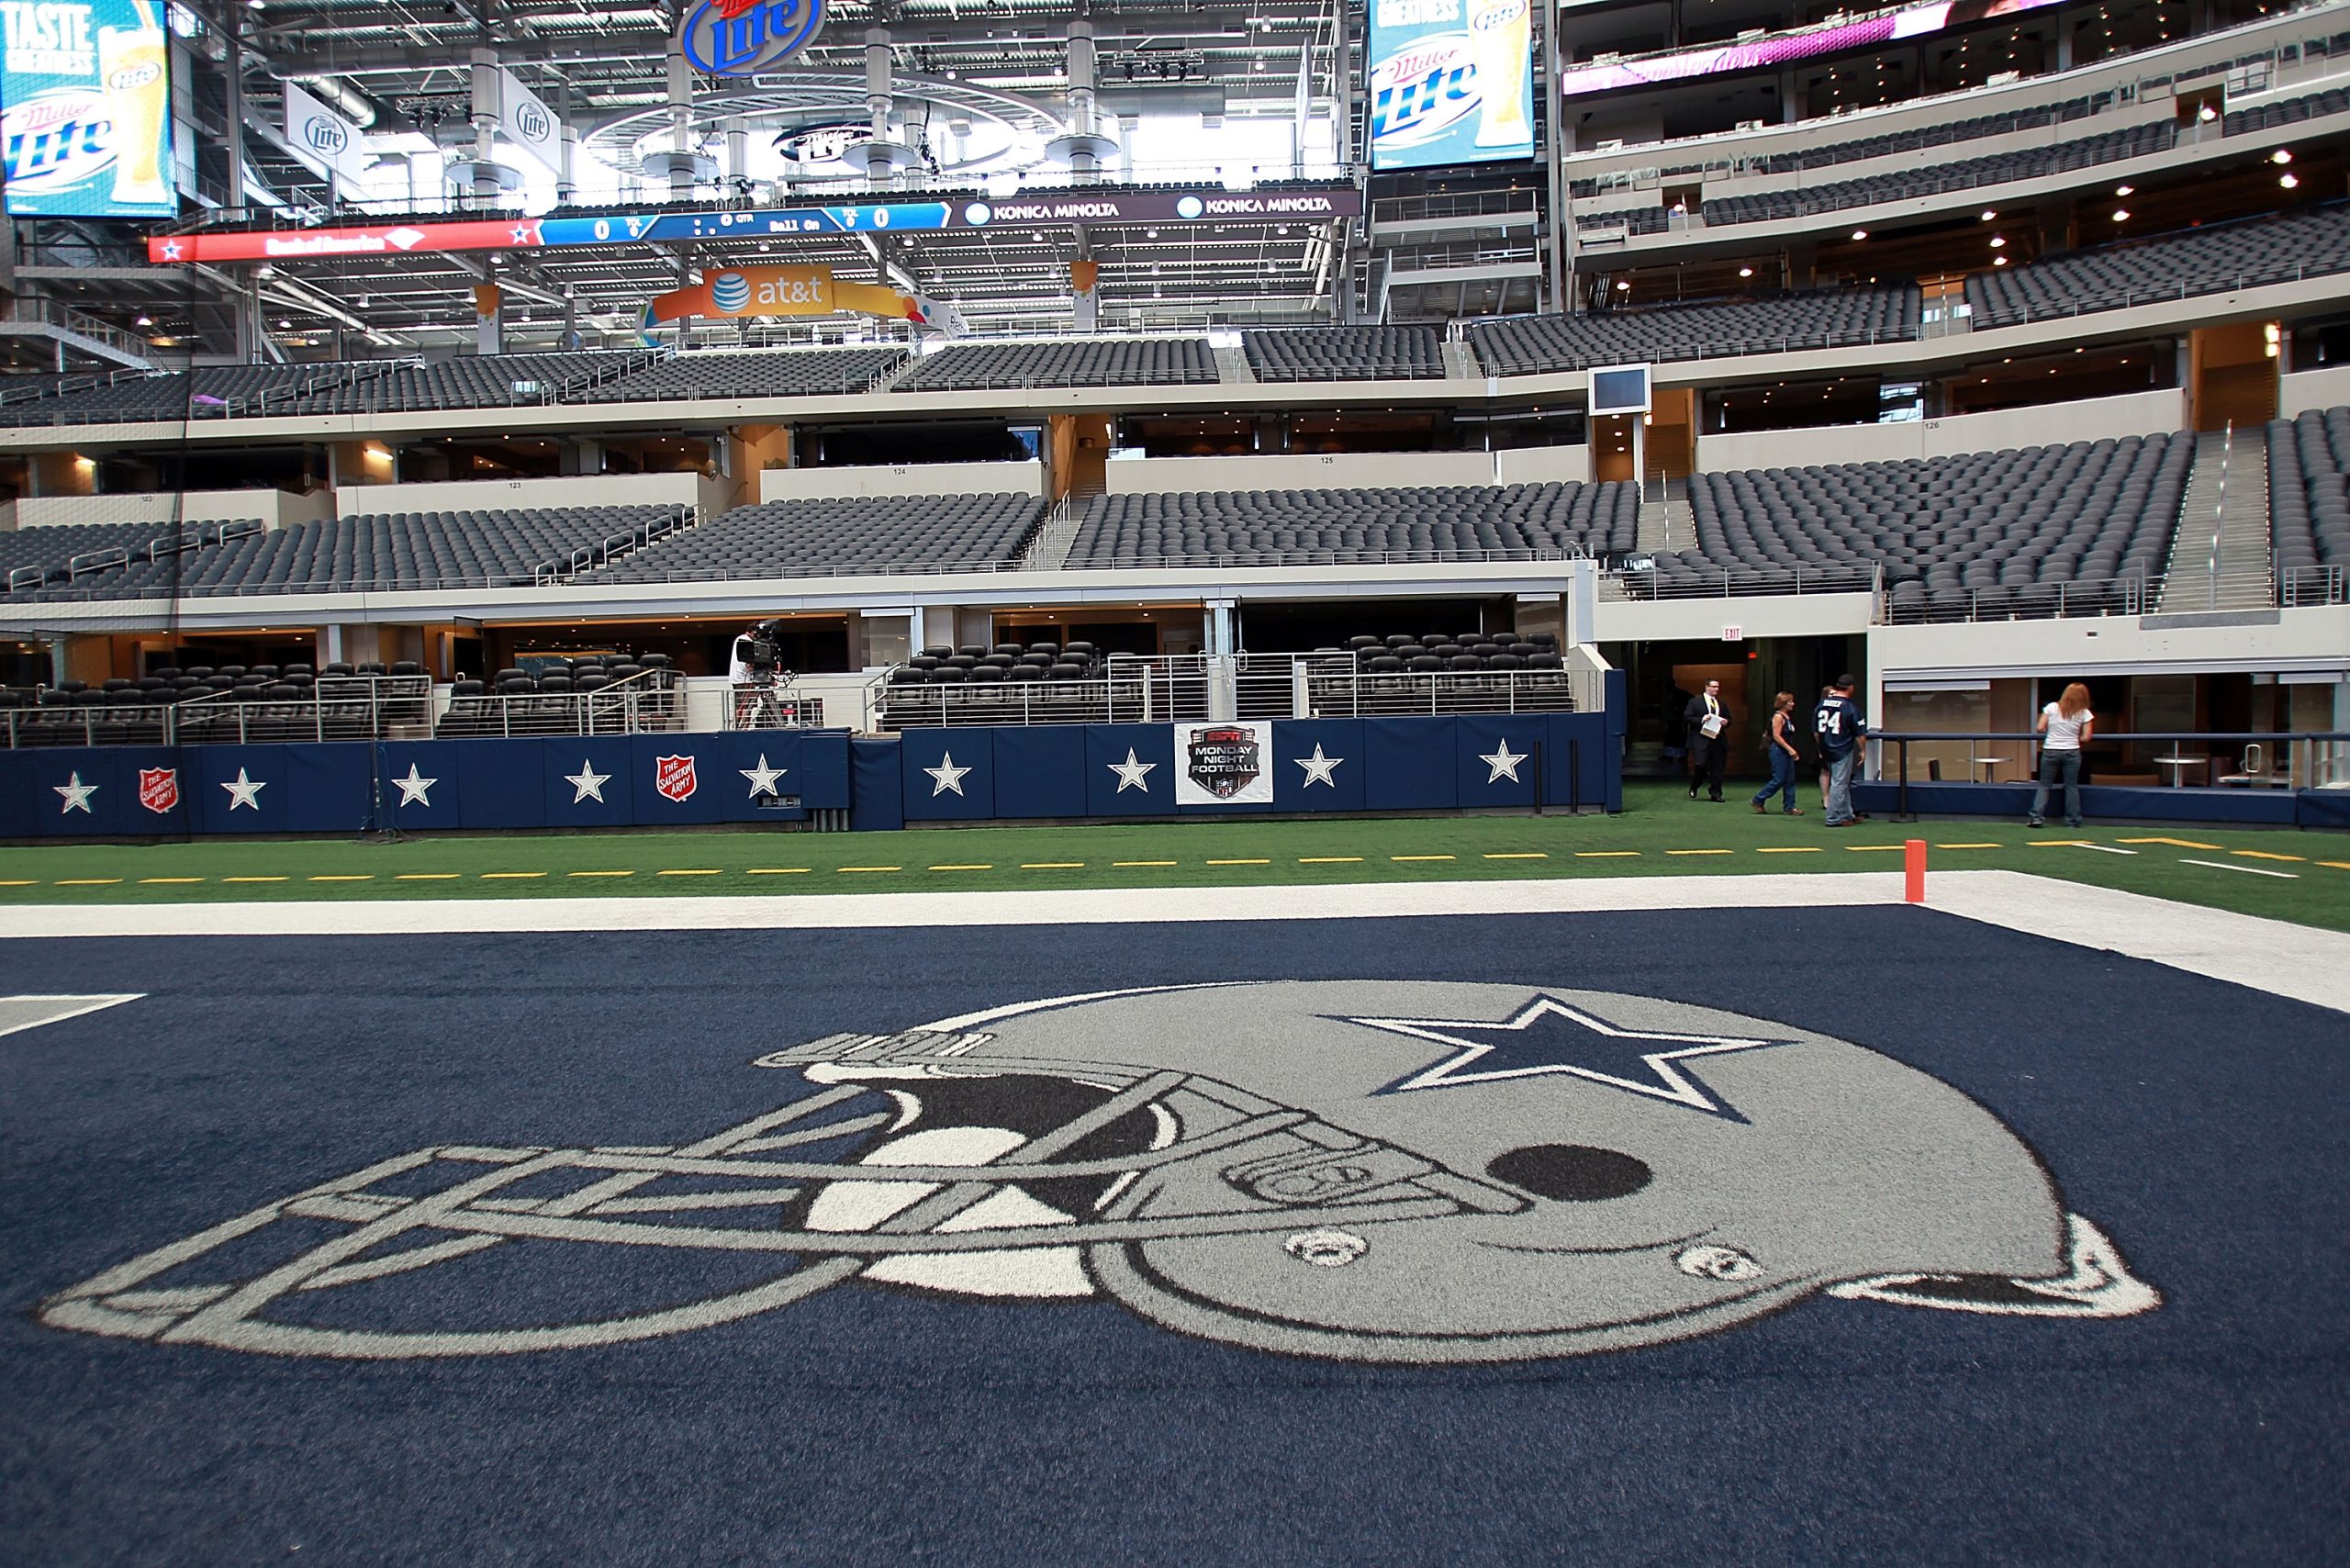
1998 261
2290 182
1860 233
1746 272
1999 241
2125 190
1989 213
2282 155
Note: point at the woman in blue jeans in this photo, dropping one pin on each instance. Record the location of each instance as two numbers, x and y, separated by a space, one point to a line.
2066 726
1781 743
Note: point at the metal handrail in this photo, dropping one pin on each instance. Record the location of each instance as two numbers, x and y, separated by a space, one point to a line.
2313 758
2219 513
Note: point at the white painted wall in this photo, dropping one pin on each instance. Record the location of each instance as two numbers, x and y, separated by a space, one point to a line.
2318 638
902 479
2306 389
482 495
1346 471
2054 424
276 508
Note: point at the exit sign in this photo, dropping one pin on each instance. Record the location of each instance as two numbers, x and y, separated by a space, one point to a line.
1733 633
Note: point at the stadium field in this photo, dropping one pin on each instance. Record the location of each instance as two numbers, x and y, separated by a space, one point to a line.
2283 875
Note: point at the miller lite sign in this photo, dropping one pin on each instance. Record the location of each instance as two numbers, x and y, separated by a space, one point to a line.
743 38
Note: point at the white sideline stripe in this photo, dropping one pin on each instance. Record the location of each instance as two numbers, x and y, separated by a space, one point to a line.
31 1010
2296 961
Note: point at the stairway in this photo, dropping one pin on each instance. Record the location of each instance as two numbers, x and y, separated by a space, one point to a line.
1667 524
1049 550
1232 369
2230 486
1461 361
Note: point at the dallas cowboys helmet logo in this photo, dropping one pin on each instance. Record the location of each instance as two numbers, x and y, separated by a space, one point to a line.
1367 1172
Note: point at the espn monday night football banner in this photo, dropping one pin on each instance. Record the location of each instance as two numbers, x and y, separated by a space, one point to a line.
85 109
1451 82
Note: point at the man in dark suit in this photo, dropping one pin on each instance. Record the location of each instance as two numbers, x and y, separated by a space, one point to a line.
1709 722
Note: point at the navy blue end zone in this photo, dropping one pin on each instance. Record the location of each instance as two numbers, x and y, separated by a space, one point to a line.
2198 1123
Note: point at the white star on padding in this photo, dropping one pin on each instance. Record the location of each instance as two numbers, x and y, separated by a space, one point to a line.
77 794
244 790
1132 775
587 783
762 778
1503 763
945 776
1318 768
415 789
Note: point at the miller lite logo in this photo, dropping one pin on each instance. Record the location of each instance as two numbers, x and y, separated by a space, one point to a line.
324 136
1422 89
743 38
159 789
56 140
1225 760
674 777
532 123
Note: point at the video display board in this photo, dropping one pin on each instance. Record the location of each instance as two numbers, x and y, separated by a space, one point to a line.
1790 48
1451 82
85 109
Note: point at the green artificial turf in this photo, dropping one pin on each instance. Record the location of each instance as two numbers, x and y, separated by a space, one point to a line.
1660 833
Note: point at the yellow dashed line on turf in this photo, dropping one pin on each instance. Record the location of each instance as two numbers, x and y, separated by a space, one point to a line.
249 879
2265 854
849 868
1791 849
427 876
1052 865
695 873
1518 855
13 883
600 873
1239 862
2337 865
2055 842
144 881
1700 851
103 882
1607 853
1146 862
347 877
1330 860
1970 846
780 870
2174 843
975 865
1421 857
510 876
1865 848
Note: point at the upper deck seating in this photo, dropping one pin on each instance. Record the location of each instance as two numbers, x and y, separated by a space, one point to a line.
1079 362
770 373
1345 353
865 534
1528 345
1302 527
2309 489
2310 242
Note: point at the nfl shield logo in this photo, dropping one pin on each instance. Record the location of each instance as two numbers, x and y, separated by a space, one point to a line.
674 777
159 789
1223 761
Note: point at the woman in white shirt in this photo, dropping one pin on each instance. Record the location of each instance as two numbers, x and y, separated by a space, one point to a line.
2066 726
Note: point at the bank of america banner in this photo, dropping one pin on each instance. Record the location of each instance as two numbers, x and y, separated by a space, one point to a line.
1451 82
85 109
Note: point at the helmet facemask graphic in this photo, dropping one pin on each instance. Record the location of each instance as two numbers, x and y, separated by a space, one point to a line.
1398 1171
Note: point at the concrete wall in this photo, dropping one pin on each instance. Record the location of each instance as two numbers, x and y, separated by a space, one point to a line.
1346 471
2306 389
276 508
902 479
2054 424
480 494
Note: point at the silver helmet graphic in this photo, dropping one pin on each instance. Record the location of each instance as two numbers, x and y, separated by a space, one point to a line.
1366 1170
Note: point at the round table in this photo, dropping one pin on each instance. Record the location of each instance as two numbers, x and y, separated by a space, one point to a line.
2178 766
1987 764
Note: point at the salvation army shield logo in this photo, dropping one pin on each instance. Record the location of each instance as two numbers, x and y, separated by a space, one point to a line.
159 789
674 777
1225 760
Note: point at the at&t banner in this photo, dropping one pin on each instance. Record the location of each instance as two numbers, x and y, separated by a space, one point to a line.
795 291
